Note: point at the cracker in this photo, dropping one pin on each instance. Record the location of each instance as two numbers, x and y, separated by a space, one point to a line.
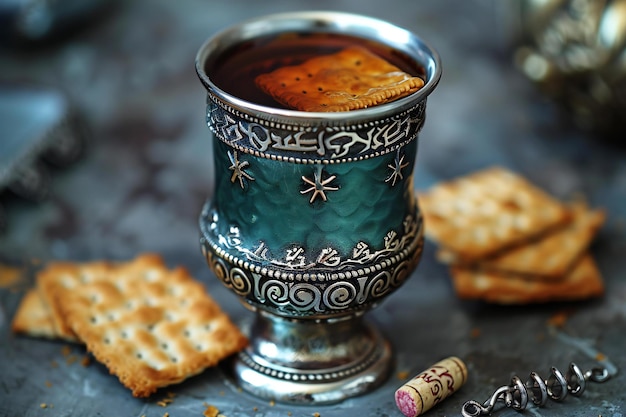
488 211
150 325
353 78
47 282
582 282
33 318
552 255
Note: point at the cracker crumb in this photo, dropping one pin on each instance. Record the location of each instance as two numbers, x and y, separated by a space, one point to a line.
558 319
272 403
316 414
166 414
255 408
66 350
71 359
402 375
10 276
600 356
169 398
43 405
48 384
85 361
211 411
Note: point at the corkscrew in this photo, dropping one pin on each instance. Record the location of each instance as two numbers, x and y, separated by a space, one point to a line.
556 387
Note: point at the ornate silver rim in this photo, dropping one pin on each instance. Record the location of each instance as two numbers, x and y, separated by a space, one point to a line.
294 143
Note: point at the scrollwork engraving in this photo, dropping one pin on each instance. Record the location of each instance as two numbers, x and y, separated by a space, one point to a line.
272 285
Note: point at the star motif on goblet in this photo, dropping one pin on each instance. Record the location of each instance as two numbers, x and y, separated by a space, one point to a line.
318 186
238 168
396 170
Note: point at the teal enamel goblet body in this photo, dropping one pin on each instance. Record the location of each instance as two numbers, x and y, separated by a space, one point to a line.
313 220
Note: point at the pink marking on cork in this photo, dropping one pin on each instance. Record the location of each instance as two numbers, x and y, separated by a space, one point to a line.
406 404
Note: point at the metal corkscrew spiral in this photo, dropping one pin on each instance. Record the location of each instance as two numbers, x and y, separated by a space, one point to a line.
556 387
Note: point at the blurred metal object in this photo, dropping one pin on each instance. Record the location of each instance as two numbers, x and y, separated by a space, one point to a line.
36 20
575 50
38 128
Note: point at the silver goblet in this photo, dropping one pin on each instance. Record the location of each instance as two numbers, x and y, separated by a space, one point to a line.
313 220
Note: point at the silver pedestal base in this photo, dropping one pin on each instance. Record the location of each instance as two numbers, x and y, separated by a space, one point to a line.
309 361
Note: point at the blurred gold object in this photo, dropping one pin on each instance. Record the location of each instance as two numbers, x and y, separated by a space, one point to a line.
575 50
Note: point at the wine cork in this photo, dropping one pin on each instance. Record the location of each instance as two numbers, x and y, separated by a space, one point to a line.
432 386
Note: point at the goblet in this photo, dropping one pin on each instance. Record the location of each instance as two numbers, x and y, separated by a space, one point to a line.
313 220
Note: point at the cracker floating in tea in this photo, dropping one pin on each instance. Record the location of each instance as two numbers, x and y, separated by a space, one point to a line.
353 78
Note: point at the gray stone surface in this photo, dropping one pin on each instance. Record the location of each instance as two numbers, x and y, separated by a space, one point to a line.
147 171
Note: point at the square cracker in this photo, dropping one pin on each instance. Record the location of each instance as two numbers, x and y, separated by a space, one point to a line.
151 326
353 78
47 282
582 282
33 318
551 256
488 211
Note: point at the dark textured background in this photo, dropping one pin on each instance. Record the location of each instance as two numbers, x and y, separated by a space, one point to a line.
147 170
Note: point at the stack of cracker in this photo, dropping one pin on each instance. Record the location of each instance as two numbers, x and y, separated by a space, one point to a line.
508 242
149 325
